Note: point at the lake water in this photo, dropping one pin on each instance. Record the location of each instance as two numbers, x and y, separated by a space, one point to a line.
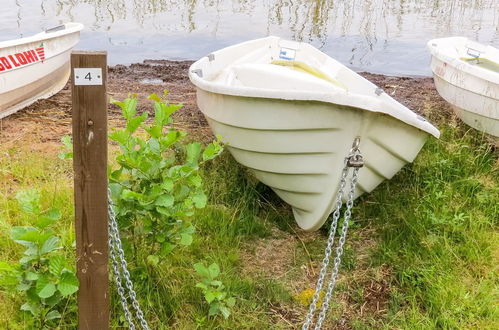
381 36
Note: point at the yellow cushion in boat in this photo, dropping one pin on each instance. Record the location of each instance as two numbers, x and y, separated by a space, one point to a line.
303 67
483 63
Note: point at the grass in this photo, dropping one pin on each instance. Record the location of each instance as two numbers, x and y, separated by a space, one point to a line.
422 252
437 230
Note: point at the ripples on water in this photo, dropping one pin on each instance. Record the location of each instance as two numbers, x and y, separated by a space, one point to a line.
385 36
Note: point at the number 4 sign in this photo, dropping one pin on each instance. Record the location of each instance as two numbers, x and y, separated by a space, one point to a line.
87 76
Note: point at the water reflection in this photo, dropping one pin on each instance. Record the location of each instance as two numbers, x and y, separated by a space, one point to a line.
376 35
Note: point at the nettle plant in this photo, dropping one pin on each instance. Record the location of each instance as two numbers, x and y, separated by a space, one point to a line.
42 275
157 185
213 290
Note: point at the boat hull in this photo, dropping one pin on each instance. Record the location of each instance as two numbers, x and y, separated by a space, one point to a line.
474 108
472 91
35 69
301 158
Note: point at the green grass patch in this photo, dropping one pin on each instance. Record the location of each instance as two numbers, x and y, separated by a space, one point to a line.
436 223
422 251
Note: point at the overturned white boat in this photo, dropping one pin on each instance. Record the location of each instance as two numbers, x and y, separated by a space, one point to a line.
290 113
35 67
466 75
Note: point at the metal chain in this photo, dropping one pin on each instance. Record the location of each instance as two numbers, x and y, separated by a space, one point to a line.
118 279
339 251
354 159
327 252
119 261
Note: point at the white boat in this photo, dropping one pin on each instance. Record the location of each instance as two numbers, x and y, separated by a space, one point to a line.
290 113
466 75
35 67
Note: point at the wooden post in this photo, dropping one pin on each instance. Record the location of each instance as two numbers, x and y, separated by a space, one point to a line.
88 76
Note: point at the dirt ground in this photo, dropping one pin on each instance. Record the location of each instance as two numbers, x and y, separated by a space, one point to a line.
46 121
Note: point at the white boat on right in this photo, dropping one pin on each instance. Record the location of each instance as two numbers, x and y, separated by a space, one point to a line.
466 74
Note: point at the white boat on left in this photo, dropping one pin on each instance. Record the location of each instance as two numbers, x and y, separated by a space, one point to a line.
35 67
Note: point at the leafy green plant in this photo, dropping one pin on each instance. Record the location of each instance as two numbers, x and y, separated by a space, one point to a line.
67 152
157 185
213 290
42 275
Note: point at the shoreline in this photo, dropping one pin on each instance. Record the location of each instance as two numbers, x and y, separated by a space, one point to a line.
152 61
49 119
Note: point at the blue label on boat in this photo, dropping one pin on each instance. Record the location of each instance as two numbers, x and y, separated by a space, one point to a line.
287 54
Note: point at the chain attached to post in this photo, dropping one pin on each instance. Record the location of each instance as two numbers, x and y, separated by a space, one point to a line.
121 273
353 160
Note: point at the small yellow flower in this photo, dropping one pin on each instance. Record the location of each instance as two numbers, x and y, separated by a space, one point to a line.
305 297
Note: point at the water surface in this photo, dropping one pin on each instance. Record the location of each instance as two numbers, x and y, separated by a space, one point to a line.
382 36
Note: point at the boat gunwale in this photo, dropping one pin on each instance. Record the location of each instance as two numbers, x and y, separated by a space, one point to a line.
72 27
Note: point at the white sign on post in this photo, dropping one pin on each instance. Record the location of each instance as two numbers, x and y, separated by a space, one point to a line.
88 76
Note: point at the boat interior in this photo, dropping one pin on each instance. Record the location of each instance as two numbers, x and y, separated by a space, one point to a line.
476 54
286 65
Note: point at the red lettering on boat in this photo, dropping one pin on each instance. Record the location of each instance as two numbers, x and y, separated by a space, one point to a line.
13 61
41 53
29 56
6 63
22 60
34 54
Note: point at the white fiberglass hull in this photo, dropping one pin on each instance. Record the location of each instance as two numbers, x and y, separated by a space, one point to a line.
296 142
35 67
473 91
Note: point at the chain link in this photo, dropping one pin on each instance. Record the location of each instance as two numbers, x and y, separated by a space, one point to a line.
339 251
354 159
118 280
121 273
328 250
